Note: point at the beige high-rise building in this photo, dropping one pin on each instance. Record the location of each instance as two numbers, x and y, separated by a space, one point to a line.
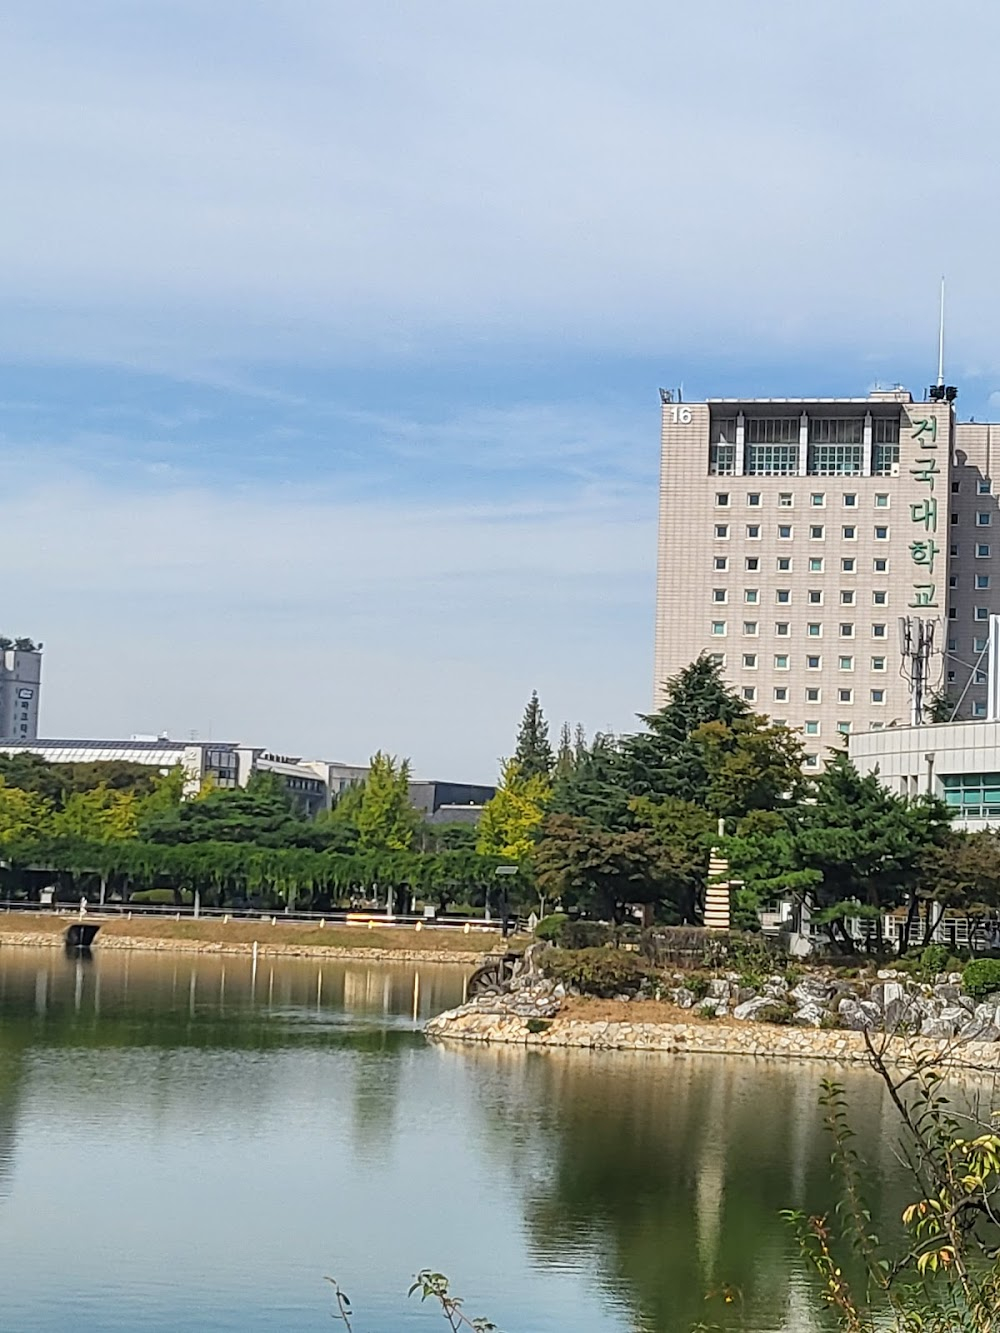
795 535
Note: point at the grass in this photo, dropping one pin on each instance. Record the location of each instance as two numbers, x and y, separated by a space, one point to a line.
212 930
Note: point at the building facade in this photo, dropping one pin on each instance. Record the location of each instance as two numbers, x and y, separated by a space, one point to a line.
20 689
795 535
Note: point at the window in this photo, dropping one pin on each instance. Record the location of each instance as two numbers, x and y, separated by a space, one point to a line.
718 627
784 499
722 499
781 629
750 693
784 563
954 520
750 627
878 696
717 659
772 446
954 488
817 500
880 597
953 550
835 445
979 708
753 531
722 447
811 728
952 580
750 594
815 564
878 663
983 487
980 678
781 661
813 662
722 562
783 596
816 532
722 529
983 518
812 694
814 629
982 580
878 631
885 446
719 595
812 761
750 661
815 597
780 694
875 726
753 499
982 551
880 564
881 534
850 501
982 613
953 645
845 696
951 677
849 532
847 597
952 612
844 728
881 500
846 631
978 645
845 663
752 562
784 532
848 564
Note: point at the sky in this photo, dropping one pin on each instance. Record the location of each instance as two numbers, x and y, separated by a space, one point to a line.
331 334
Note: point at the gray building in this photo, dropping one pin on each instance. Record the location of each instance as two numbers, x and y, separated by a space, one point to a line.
20 688
794 535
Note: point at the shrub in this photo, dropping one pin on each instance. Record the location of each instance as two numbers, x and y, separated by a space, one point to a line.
981 977
160 898
586 935
775 1013
698 986
603 972
539 1024
933 960
829 1022
550 927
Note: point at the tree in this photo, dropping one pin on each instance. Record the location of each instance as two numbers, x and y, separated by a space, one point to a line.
962 872
99 815
24 815
533 751
683 834
595 786
596 870
512 819
750 764
385 818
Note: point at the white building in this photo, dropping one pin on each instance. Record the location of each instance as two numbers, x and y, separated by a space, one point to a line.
20 688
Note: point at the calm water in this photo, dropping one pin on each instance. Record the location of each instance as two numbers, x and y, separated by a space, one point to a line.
188 1145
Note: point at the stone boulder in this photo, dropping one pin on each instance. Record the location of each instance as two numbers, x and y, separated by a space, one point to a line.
683 998
811 990
859 1015
947 1024
811 1015
749 1009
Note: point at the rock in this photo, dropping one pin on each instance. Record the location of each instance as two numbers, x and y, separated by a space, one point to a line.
708 1008
721 1010
751 1008
777 982
682 997
859 1015
946 1024
811 1015
744 993
811 990
947 991
885 993
718 989
978 1028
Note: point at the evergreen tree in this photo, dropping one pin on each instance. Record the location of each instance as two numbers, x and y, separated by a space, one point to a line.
565 756
511 821
533 752
385 818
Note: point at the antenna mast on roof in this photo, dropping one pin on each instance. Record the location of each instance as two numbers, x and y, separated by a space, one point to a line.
940 378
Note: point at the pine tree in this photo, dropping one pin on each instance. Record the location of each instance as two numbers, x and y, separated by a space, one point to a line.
565 757
533 753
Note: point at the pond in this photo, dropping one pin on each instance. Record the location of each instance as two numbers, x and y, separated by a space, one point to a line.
194 1143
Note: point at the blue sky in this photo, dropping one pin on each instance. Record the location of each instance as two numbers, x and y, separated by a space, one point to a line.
332 333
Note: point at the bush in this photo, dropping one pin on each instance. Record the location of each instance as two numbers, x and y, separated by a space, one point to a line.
933 961
603 972
550 927
160 898
539 1024
981 977
586 935
775 1013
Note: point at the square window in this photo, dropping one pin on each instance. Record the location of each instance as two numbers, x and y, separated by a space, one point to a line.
951 677
982 613
815 597
880 597
752 562
784 532
722 562
979 708
952 580
850 501
817 499
781 629
784 499
878 663
722 499
722 530
750 693
816 532
814 662
953 645
717 659
750 627
753 531
719 595
784 563
783 596
815 564
844 728
781 661
980 678
750 594
878 696
753 499
878 631
954 488
718 627
814 630
952 612
846 663
881 534
983 519
847 596
811 728
881 500
978 645
982 580
983 487
848 564
954 520
780 694
812 761
849 532
845 696
953 550
880 564
982 551
812 694
750 661
875 726
846 631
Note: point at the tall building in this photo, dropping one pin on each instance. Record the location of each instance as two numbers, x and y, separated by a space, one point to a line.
20 687
797 534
